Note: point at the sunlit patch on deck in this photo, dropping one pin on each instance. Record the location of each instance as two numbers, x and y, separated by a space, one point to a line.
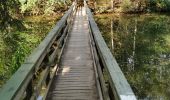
65 70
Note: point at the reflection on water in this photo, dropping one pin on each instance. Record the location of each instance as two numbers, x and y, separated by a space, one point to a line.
141 45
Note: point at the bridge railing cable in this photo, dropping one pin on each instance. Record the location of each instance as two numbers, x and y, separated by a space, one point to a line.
32 80
113 83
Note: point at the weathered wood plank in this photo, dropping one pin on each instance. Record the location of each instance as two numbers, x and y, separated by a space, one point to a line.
72 97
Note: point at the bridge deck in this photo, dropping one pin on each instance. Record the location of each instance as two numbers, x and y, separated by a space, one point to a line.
75 79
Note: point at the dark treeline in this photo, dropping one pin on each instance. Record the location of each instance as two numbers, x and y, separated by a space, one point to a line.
7 10
11 10
132 6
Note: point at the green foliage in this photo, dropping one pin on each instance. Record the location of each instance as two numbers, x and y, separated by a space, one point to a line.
126 5
158 5
8 12
133 6
17 45
37 7
19 55
29 5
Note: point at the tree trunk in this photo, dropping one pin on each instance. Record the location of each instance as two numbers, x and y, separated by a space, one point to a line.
111 29
134 45
112 6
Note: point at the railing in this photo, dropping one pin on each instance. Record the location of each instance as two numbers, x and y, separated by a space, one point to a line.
33 78
113 83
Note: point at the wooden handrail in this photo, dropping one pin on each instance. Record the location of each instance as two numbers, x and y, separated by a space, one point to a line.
27 81
117 82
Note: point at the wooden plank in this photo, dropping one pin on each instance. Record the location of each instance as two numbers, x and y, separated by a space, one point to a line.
117 80
72 98
75 91
77 94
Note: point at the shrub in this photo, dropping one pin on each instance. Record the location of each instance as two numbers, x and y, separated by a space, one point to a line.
126 5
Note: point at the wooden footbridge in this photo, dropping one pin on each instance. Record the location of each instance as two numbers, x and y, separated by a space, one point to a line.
73 62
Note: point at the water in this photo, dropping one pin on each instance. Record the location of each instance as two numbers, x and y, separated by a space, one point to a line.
141 45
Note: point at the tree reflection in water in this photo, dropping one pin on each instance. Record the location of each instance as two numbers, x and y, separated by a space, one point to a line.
142 49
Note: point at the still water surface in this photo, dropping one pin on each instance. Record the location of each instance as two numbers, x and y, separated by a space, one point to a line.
141 45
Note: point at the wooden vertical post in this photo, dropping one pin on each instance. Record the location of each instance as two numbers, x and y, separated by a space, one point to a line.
29 91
